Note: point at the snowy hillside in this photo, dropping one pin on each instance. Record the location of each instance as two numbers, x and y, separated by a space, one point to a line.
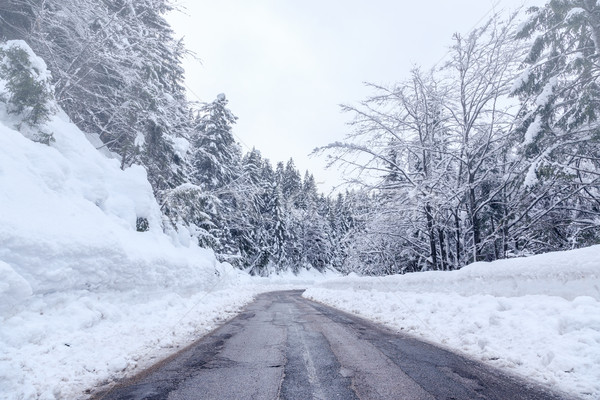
83 294
69 220
537 316
69 215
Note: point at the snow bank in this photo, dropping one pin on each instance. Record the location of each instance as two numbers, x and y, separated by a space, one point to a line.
567 274
67 342
537 316
69 214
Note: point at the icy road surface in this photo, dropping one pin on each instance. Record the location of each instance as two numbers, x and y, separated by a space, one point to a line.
284 346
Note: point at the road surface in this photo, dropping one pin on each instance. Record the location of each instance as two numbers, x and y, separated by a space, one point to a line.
286 347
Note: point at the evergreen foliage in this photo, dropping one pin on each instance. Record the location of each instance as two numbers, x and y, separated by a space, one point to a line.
28 93
560 93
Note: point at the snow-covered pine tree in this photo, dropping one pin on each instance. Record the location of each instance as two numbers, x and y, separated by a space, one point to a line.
560 90
249 227
214 162
291 183
117 73
275 225
27 86
216 154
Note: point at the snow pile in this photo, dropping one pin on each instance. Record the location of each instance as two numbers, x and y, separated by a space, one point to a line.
65 343
69 220
537 316
287 280
567 274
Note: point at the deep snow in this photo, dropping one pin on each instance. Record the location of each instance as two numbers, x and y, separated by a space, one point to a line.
537 316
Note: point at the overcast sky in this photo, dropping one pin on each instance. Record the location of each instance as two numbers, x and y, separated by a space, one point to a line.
286 65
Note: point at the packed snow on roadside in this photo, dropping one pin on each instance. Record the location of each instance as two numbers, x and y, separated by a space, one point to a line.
84 297
537 316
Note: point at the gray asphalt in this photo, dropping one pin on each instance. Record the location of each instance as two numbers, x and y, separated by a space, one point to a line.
286 347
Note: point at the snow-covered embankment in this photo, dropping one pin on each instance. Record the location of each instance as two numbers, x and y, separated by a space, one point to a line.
538 316
85 296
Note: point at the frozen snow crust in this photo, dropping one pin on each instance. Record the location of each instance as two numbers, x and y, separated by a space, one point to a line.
537 316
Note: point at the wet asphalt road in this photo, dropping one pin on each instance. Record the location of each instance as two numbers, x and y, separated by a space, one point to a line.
286 347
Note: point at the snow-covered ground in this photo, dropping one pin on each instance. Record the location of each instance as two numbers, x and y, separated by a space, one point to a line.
59 344
538 316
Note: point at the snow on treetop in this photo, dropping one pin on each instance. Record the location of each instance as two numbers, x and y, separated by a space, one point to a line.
38 64
221 97
574 12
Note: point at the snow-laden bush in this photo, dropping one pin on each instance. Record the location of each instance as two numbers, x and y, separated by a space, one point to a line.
25 87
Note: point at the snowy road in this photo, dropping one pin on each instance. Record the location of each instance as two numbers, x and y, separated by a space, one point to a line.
284 346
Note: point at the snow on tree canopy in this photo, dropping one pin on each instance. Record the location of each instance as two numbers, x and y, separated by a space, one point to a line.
37 63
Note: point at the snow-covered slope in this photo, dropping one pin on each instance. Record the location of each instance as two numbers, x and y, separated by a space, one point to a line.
537 316
83 294
69 216
68 219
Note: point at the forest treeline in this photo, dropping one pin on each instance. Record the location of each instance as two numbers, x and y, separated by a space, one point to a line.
491 154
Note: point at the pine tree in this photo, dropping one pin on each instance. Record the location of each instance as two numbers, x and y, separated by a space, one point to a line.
292 182
216 153
28 90
215 159
560 90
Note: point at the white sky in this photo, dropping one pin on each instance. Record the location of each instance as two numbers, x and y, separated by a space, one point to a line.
285 65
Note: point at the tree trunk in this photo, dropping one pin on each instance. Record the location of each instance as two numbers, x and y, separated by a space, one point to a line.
457 230
474 221
431 232
441 238
495 240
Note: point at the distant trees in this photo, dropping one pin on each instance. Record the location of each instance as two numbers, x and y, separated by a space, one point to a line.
279 221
